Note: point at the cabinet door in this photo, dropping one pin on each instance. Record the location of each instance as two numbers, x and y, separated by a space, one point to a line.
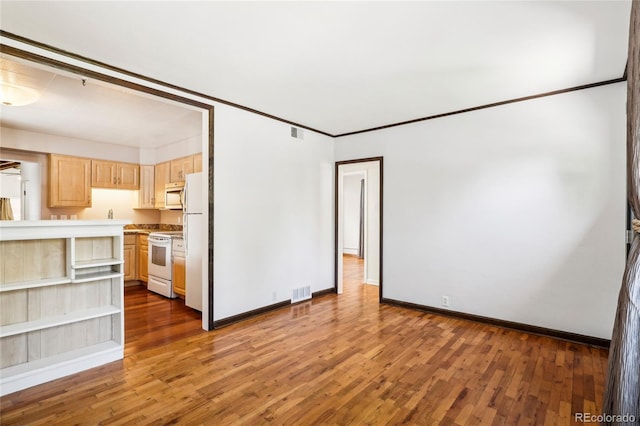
143 257
178 275
69 181
162 177
180 168
197 162
104 174
143 264
147 194
128 176
129 262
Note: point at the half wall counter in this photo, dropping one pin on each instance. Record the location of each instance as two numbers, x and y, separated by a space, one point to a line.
61 299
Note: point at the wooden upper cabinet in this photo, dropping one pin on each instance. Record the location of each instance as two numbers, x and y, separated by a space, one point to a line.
162 177
197 162
180 168
69 181
128 176
103 174
107 174
147 194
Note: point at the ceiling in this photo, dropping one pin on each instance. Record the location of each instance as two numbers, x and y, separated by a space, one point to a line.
339 67
74 107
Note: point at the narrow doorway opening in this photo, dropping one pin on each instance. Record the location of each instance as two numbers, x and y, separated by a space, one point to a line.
150 320
358 232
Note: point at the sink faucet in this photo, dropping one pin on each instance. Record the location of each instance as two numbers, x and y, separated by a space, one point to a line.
110 215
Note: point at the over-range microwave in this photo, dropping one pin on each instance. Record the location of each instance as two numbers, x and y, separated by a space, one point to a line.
173 195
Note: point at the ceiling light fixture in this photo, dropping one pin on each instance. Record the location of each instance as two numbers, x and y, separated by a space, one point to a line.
12 94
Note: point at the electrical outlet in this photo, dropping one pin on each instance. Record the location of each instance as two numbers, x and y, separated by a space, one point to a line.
445 301
274 296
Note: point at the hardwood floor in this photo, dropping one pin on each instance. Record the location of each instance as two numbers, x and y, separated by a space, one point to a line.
151 320
333 360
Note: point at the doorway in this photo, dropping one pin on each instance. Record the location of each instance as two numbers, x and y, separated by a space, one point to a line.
20 183
143 90
358 224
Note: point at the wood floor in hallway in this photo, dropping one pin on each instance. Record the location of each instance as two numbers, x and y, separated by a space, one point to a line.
336 360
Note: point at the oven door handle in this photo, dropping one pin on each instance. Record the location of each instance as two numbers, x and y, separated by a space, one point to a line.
159 241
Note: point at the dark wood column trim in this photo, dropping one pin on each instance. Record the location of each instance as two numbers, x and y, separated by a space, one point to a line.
491 105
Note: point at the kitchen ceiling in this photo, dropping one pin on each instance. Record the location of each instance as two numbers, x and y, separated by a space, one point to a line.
72 106
339 66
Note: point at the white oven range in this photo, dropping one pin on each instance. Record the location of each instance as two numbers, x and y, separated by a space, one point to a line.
160 263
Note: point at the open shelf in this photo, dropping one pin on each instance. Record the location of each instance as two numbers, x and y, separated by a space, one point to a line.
76 317
23 285
95 263
96 276
49 322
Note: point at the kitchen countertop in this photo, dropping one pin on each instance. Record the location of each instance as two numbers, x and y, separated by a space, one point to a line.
49 223
49 229
139 231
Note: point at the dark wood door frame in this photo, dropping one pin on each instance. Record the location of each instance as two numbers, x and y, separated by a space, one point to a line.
84 72
337 218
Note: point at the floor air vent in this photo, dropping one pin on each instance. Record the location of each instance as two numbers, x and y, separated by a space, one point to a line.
300 293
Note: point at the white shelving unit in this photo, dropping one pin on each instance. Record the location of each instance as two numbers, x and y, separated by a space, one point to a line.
61 299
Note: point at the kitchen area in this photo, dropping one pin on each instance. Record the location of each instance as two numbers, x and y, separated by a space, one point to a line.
103 235
117 257
163 202
75 148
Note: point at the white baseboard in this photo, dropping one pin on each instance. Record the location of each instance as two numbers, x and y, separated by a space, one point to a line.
57 366
372 282
353 251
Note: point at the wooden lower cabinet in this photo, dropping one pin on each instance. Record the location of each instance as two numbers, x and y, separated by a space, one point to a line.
129 254
179 275
143 257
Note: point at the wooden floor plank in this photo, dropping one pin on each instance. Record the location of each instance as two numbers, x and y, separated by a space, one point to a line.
337 359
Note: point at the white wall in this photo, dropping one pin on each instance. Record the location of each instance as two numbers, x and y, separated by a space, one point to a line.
40 142
31 176
351 216
177 149
515 212
273 217
10 188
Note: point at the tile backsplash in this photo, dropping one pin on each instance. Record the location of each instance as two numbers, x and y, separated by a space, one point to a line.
154 226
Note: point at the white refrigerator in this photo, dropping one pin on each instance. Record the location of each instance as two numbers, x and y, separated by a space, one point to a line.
195 231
